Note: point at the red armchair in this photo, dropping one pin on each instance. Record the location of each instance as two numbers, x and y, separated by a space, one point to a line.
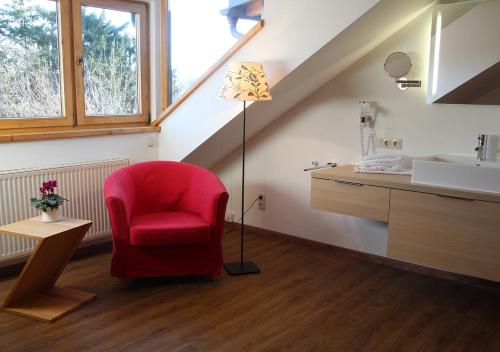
167 219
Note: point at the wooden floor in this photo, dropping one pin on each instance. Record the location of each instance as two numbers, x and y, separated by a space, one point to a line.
307 298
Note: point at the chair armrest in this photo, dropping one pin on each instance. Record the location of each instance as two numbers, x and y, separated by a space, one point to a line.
206 197
120 223
220 215
119 194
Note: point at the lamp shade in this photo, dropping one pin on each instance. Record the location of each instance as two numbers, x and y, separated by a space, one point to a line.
245 81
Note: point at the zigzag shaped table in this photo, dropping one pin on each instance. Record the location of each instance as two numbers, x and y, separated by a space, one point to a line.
34 294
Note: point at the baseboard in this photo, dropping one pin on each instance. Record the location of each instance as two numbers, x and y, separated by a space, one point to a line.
386 261
13 266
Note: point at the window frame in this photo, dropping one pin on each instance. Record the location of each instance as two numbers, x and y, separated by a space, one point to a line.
166 106
72 90
66 80
140 8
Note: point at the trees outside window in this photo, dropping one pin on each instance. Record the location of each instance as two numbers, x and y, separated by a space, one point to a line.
30 79
110 65
110 62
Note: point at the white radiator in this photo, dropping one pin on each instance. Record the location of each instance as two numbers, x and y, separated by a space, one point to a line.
81 183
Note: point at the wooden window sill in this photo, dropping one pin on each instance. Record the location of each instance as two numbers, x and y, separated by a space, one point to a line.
73 132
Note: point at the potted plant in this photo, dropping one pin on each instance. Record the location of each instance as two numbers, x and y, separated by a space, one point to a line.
49 202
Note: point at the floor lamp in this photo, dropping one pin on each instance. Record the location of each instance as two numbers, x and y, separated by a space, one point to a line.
244 81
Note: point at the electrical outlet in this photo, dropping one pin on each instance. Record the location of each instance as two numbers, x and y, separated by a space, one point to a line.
262 202
389 143
151 142
230 217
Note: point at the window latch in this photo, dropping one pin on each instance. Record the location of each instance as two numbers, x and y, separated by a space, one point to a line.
79 60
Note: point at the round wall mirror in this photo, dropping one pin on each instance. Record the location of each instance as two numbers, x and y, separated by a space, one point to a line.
397 64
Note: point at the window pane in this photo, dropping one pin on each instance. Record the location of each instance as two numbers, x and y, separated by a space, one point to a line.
30 79
110 61
201 32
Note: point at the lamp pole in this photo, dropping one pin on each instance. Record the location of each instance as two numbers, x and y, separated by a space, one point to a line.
242 268
243 181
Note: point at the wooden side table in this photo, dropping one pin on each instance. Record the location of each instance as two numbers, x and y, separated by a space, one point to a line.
34 294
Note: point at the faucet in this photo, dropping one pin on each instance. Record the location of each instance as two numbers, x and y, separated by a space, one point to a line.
482 147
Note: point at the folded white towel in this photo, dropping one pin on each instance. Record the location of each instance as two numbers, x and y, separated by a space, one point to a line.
402 172
380 162
381 168
390 156
388 161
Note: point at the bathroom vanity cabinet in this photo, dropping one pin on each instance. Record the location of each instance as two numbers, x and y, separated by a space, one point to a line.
351 198
447 229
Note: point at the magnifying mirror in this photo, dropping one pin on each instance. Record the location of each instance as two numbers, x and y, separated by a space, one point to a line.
397 65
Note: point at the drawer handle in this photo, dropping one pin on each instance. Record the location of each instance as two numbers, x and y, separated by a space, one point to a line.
349 183
455 197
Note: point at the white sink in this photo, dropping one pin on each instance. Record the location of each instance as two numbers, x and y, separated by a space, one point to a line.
457 172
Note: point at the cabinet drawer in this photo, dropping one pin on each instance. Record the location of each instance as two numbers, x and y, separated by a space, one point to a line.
457 235
350 198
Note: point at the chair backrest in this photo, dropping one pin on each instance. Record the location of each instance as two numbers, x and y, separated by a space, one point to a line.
161 185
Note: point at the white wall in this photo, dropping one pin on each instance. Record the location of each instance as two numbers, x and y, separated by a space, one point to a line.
294 30
325 127
136 147
366 33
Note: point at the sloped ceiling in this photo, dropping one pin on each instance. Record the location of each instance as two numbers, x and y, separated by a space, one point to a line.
376 25
294 31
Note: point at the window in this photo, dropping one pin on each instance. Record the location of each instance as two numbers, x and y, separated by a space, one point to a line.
113 68
110 71
30 62
34 64
199 34
103 80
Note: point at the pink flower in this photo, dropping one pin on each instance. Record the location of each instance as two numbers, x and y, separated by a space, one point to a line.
48 187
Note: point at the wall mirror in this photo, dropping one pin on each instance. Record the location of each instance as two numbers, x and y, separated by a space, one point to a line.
464 66
397 65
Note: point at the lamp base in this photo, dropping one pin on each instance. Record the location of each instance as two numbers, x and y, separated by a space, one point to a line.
241 268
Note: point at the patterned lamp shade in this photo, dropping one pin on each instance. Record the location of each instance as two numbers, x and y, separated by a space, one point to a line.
245 81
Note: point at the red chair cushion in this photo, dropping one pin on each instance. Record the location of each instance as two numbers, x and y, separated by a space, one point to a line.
168 228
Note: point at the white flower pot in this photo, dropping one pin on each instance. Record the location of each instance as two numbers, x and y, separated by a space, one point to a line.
51 215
